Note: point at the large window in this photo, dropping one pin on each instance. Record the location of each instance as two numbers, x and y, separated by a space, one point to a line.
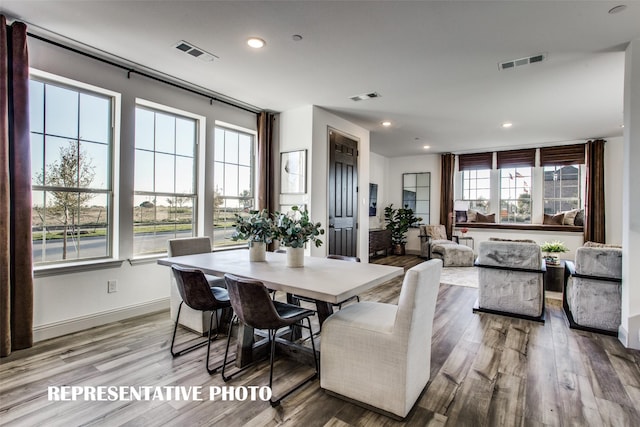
165 178
233 181
476 189
561 188
515 195
71 164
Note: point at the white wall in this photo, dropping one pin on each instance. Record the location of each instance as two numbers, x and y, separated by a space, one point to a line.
613 158
379 174
308 128
400 165
630 328
64 303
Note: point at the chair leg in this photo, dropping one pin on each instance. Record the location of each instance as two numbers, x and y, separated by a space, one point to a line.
175 353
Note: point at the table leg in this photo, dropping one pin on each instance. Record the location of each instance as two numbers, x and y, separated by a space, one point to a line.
324 310
244 352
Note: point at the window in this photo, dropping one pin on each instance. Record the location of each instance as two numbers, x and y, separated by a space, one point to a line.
71 164
234 160
416 188
165 178
561 188
515 195
476 189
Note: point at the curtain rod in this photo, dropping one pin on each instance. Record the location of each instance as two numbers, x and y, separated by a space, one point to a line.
143 74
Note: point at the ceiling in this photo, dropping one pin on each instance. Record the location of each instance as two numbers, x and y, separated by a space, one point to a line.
434 63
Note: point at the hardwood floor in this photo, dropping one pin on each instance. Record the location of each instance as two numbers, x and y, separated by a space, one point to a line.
486 370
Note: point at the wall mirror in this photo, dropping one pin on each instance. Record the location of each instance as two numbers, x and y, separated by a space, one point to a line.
373 199
416 194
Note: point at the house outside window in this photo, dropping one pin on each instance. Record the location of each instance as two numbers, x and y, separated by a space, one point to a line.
72 145
165 177
562 189
476 189
515 195
234 177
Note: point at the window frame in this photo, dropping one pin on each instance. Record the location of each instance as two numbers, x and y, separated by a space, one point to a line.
579 185
473 203
198 154
112 189
530 176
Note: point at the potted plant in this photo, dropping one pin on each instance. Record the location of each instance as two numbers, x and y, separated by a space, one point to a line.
398 222
294 229
258 229
551 248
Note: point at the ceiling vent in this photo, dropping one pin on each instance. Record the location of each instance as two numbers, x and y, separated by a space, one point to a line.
522 61
194 51
364 96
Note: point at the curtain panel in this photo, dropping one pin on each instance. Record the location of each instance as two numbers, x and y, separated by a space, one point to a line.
517 158
446 195
266 166
563 155
475 161
16 266
594 225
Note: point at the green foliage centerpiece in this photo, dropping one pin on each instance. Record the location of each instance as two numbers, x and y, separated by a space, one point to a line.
294 229
550 248
398 222
258 229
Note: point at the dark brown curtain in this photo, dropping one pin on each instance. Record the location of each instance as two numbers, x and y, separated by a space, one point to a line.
594 226
16 286
265 171
475 161
446 193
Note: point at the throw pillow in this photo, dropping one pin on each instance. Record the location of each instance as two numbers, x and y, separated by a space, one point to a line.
556 219
579 220
570 217
461 216
485 218
497 239
437 232
472 215
600 245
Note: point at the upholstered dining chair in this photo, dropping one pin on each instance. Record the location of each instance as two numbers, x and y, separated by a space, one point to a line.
253 307
196 293
191 319
378 355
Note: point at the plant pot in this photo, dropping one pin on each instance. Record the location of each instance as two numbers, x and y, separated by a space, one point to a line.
295 257
257 251
398 249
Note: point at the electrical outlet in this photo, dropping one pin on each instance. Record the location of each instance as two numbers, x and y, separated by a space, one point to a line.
112 286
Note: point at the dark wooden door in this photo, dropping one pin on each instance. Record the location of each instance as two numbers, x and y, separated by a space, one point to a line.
343 194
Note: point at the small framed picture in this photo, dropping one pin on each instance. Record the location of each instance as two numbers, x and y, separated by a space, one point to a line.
293 172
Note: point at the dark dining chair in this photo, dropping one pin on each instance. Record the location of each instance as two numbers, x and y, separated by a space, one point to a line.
253 307
198 295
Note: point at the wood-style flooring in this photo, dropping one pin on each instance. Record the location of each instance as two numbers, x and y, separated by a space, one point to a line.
486 370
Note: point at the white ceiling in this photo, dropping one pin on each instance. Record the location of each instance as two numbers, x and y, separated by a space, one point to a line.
435 64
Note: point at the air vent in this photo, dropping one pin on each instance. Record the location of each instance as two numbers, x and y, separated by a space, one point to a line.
364 96
194 51
507 65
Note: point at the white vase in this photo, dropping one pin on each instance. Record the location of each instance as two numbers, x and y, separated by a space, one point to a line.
257 251
295 257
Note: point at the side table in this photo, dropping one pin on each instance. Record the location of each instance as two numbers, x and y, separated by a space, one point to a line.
554 277
467 241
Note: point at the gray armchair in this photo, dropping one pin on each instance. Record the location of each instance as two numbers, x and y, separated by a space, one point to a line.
434 244
510 279
592 298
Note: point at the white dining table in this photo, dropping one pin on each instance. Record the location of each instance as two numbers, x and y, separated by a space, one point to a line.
327 281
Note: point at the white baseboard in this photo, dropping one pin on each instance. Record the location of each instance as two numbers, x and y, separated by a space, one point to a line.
57 329
630 338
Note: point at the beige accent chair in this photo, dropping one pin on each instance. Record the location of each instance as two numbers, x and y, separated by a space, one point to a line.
511 279
434 244
378 355
593 289
197 321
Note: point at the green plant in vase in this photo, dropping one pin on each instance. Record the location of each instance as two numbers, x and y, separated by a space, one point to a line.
294 229
258 229
552 248
398 222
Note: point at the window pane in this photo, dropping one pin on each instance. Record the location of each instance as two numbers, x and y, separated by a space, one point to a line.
95 118
61 157
219 145
218 177
185 137
144 171
245 153
61 112
36 106
164 182
95 162
165 133
145 129
230 180
244 181
37 159
231 147
184 175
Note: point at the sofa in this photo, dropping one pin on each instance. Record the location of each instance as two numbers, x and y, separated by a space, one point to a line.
592 297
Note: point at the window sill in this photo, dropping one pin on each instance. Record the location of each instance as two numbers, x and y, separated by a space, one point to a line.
528 227
75 267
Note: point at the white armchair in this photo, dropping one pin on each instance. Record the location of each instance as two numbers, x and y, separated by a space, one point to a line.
378 355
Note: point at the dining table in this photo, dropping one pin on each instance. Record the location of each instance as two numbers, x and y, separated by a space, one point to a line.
324 280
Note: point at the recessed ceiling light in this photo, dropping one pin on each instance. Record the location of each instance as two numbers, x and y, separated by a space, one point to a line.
617 9
256 42
507 125
426 147
386 123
